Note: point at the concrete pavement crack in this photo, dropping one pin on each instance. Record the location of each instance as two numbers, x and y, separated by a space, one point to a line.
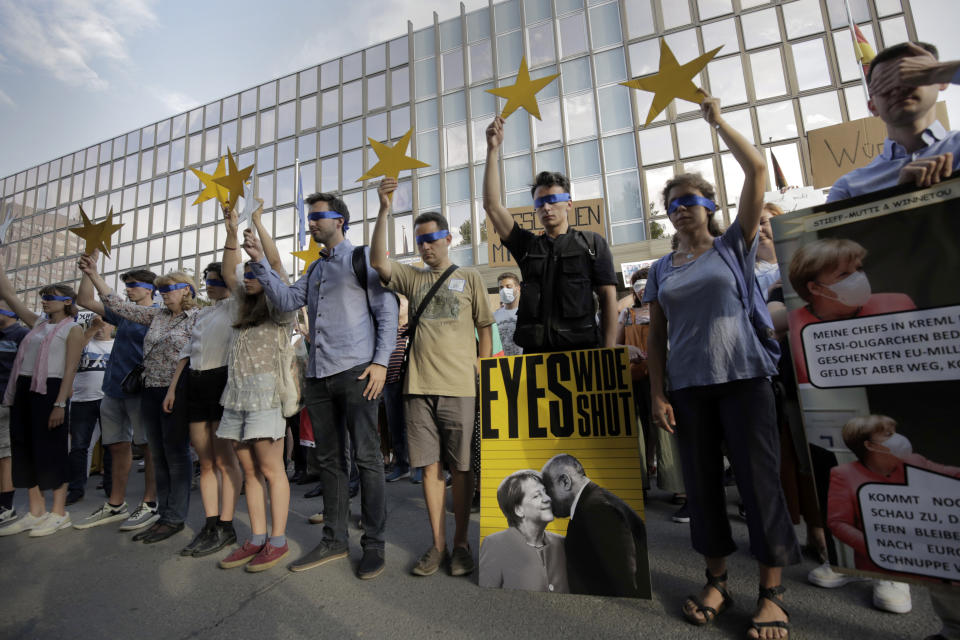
243 603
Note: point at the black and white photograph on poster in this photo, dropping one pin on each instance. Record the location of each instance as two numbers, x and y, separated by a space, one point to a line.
874 331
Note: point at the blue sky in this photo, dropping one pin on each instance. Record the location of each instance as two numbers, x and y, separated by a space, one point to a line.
77 72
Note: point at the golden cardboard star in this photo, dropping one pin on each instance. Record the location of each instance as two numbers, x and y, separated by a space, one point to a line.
672 80
210 188
233 181
97 236
523 92
309 255
392 160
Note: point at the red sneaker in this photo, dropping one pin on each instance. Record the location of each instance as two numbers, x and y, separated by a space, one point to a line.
268 556
241 556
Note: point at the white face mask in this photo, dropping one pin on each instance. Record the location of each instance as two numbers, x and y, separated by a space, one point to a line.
638 286
898 445
852 291
507 295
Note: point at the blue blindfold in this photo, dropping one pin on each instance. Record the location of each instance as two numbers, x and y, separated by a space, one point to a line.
690 201
142 285
551 198
432 237
177 285
212 282
9 314
321 215
50 298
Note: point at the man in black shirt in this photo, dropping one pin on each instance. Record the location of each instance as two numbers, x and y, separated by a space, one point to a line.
562 267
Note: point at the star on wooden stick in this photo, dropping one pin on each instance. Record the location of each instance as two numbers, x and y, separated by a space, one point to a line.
672 80
309 255
97 236
210 188
233 181
523 92
392 160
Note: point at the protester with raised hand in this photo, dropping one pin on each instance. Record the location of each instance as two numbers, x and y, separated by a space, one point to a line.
39 390
12 332
256 397
169 331
121 425
718 370
353 330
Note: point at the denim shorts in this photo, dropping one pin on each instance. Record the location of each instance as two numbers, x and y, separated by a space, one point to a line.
252 425
4 432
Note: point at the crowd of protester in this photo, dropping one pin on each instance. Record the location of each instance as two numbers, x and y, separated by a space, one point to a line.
161 369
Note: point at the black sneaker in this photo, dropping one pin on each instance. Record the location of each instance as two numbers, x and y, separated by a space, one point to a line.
371 564
682 515
198 539
324 552
316 492
220 536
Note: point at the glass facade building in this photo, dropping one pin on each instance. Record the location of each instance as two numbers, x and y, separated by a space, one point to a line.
785 68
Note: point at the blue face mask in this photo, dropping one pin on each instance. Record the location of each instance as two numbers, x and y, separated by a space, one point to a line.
326 215
50 298
690 201
432 237
211 282
142 285
551 198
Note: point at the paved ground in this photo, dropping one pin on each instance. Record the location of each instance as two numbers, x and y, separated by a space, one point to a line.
98 583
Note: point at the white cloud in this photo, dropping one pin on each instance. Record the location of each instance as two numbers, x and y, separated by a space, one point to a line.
174 101
5 99
67 37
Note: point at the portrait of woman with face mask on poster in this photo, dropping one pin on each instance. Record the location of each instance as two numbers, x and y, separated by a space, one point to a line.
828 275
882 454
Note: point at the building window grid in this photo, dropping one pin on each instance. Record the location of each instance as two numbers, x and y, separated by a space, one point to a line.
23 188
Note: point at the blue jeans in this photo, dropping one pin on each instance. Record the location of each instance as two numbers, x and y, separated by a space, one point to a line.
168 435
393 405
83 420
337 408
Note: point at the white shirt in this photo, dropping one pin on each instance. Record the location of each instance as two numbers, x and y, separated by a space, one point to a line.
88 383
506 320
56 357
209 344
573 507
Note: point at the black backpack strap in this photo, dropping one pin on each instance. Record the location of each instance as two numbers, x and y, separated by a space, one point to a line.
415 320
588 239
359 260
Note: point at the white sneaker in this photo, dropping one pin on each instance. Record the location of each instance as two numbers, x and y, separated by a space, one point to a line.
143 516
824 576
104 515
51 525
26 523
7 515
892 596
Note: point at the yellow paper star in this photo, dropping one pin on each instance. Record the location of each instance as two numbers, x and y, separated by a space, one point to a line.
308 255
233 181
672 80
97 236
210 188
391 160
523 92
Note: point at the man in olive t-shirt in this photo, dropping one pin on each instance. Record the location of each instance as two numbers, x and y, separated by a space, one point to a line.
440 387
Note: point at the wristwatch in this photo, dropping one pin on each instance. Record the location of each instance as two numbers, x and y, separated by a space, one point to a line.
60 405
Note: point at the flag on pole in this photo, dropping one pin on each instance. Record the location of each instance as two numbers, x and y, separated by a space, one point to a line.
861 47
778 177
302 232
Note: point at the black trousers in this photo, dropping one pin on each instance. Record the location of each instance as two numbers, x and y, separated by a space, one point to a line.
742 414
40 454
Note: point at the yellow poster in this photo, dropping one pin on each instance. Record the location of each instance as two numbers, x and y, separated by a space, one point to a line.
561 505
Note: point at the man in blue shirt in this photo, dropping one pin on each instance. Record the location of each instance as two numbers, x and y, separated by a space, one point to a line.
905 81
353 331
120 423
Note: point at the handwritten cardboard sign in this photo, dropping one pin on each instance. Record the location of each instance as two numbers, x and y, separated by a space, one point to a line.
841 148
586 215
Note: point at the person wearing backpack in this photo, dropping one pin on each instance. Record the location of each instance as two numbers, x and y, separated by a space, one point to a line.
562 268
714 385
353 331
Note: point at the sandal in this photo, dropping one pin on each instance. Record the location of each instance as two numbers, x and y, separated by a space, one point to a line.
709 613
773 595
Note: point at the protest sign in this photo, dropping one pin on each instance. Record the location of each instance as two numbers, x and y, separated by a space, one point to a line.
586 215
629 268
874 314
578 405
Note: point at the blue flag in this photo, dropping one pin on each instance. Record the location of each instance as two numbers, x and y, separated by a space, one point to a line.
302 234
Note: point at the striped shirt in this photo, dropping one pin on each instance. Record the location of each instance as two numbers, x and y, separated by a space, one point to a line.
396 358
